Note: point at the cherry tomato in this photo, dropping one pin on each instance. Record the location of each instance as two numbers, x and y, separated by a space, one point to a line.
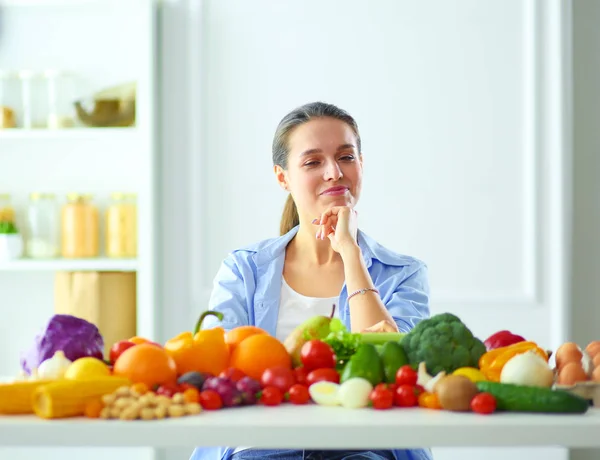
184 386
167 390
232 374
210 400
271 396
483 403
316 354
280 377
406 396
419 389
387 386
318 375
381 398
300 374
406 375
298 394
118 348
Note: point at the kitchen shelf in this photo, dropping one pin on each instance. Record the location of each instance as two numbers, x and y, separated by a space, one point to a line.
19 3
96 265
67 133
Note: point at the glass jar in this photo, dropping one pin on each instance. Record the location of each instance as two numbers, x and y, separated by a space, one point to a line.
43 227
9 100
32 114
60 87
80 227
7 212
121 226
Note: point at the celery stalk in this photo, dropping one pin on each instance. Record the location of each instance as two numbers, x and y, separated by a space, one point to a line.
379 338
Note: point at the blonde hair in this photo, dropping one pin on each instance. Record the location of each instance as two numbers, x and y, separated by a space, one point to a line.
297 117
290 217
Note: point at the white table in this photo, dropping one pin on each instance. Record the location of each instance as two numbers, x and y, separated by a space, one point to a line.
312 427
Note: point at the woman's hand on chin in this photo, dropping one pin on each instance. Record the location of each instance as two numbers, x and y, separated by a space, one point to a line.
340 225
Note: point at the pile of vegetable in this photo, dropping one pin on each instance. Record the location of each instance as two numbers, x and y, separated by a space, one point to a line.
438 365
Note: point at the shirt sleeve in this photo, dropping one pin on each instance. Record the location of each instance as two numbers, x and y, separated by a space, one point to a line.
228 297
409 303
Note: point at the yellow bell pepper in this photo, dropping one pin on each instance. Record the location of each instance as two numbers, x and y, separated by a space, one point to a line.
200 351
492 362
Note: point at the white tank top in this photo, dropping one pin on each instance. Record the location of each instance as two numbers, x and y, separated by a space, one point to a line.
296 308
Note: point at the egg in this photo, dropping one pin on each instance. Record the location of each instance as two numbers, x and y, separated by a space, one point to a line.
325 393
593 348
567 353
571 373
596 374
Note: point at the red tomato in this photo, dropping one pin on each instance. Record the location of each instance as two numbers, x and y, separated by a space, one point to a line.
406 396
406 375
298 394
483 403
232 374
168 390
210 400
185 386
318 375
300 374
271 396
316 354
280 377
387 386
381 398
118 348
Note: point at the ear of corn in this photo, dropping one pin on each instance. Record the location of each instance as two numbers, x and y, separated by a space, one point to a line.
15 397
68 398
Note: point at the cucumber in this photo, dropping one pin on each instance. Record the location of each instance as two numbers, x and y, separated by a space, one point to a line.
520 398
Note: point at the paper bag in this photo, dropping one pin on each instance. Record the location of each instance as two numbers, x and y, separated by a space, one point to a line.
106 299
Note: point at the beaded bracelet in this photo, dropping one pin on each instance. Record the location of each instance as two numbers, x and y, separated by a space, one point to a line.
363 291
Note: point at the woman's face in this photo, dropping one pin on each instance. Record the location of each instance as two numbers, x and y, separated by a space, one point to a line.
324 167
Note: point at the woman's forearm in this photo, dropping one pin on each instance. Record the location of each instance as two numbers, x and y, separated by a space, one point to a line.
366 309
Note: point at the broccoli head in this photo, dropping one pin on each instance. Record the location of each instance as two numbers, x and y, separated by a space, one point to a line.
444 343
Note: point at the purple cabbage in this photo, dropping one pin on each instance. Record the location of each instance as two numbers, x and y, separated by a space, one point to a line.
75 337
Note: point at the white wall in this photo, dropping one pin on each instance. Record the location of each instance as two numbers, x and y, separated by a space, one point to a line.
585 295
463 123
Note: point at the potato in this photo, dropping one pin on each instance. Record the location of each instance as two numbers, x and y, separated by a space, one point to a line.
455 393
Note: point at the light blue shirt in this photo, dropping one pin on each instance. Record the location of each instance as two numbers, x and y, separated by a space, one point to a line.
247 291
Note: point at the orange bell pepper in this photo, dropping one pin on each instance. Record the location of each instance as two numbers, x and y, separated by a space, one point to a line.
200 351
492 362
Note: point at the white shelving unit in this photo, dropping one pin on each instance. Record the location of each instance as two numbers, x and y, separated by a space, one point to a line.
106 43
65 265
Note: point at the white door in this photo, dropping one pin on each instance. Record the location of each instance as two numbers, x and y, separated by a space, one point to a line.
459 105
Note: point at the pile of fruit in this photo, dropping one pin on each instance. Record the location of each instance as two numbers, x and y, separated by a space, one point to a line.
438 365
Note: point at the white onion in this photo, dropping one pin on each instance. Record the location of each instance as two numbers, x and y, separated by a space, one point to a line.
354 393
529 369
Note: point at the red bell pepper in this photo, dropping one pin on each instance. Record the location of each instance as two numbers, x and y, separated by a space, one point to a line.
502 339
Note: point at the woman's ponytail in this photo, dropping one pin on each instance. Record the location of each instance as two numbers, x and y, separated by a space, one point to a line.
289 217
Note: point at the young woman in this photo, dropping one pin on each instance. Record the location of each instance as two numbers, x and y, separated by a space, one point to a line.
320 259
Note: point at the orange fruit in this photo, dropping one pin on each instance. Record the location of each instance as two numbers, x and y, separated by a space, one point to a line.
238 334
259 352
138 340
146 363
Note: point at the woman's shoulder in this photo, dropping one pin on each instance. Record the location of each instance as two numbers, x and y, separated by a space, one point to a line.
374 250
263 250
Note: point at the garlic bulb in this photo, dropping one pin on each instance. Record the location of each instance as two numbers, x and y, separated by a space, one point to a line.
53 368
527 368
